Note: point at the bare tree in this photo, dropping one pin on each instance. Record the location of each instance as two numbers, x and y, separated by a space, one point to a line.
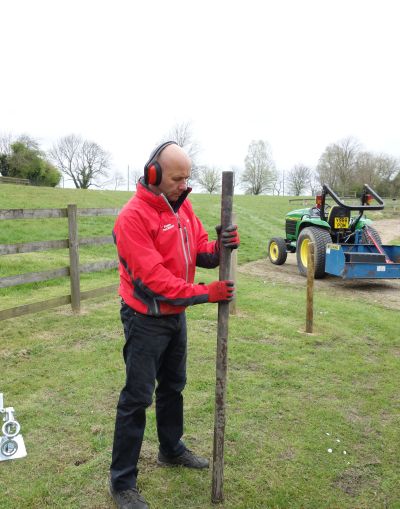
366 170
379 171
314 184
209 179
119 180
348 150
395 186
93 162
259 174
387 167
326 168
6 140
182 134
65 155
136 176
299 179
279 184
29 142
82 160
336 166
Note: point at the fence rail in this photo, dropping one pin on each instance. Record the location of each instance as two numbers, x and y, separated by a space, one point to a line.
73 271
46 245
14 180
35 307
37 277
53 213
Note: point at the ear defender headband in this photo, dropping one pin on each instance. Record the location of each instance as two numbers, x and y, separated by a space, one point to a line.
152 169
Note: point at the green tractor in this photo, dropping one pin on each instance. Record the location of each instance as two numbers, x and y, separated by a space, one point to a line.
332 228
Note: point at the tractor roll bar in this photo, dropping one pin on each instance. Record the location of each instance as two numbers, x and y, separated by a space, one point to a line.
367 190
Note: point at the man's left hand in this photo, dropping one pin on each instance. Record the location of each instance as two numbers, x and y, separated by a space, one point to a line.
229 237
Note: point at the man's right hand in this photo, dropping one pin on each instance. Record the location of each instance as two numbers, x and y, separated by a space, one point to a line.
221 291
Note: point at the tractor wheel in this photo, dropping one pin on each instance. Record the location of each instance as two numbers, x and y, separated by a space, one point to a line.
320 239
277 252
366 240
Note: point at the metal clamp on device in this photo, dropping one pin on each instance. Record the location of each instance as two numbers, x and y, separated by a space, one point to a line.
11 442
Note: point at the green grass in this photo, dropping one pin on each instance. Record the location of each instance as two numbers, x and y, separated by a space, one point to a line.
290 397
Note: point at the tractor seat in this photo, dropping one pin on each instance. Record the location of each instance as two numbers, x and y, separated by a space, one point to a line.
339 218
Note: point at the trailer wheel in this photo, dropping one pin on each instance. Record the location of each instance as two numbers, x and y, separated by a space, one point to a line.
277 252
320 238
366 240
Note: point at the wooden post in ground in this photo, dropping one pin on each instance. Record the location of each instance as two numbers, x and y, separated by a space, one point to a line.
217 494
232 304
310 288
74 258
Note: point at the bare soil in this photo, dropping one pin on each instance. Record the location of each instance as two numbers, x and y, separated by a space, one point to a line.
384 292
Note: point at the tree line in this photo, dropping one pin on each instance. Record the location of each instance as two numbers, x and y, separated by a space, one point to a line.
343 165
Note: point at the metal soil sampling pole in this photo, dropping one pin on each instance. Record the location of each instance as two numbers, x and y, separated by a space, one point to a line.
217 494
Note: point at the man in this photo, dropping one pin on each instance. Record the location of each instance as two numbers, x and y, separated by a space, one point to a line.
159 241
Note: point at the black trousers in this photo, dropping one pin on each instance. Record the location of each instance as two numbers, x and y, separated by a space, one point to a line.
155 349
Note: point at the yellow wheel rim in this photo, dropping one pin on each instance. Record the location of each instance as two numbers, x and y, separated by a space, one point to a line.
304 252
273 251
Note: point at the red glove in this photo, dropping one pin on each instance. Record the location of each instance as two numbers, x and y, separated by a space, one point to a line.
220 291
229 237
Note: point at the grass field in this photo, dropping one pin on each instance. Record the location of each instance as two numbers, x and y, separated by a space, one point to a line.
291 396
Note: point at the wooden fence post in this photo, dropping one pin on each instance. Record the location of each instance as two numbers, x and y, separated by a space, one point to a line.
217 494
310 288
233 275
74 258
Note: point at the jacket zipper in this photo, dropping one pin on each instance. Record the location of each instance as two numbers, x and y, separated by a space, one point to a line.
183 247
187 243
182 239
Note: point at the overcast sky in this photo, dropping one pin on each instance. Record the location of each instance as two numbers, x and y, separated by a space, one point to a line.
300 74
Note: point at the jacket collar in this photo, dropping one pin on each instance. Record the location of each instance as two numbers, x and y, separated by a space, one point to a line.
159 201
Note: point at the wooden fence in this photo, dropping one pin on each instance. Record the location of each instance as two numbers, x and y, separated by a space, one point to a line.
73 270
14 180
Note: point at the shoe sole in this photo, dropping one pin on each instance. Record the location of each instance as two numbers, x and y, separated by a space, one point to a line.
165 464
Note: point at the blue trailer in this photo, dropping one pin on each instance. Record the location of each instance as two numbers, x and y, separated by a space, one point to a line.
362 261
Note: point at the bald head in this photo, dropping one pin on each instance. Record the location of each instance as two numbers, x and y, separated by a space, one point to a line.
176 168
173 155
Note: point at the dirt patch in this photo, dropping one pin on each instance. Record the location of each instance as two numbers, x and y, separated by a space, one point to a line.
389 229
383 292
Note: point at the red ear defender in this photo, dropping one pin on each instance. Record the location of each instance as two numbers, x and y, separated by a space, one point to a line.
152 169
153 174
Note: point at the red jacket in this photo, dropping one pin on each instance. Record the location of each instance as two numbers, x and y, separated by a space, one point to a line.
159 246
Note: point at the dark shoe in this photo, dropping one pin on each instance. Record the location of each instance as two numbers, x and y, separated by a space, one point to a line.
127 499
186 459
